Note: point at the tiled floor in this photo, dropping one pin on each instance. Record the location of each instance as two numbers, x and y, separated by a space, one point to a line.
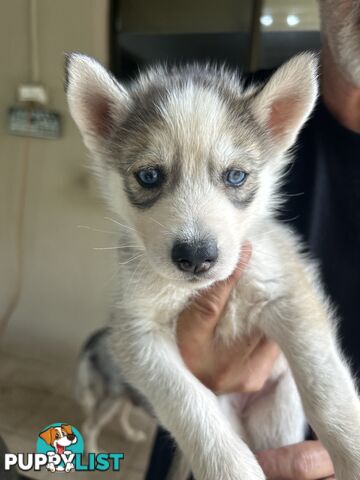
34 394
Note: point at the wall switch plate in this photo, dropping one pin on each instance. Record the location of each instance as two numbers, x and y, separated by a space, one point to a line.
34 123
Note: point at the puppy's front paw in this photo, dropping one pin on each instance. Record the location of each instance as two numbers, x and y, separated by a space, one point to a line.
69 467
232 465
50 467
242 471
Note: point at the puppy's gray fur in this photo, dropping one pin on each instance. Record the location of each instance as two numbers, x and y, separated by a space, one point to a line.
102 391
193 125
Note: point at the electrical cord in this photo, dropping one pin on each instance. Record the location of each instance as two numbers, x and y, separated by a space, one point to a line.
5 318
34 41
35 75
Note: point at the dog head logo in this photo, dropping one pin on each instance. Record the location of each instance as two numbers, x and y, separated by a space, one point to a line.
59 437
60 442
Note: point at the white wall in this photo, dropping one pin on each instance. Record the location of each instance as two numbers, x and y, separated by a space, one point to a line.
65 282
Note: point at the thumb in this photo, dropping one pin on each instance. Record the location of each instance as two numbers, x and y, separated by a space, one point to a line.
204 312
306 460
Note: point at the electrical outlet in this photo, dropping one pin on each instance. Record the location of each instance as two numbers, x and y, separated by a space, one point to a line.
33 123
32 93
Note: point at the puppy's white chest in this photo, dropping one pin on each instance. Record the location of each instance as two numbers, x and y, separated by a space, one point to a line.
258 285
242 313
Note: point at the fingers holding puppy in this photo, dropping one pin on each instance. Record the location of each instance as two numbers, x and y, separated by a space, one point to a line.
302 461
246 365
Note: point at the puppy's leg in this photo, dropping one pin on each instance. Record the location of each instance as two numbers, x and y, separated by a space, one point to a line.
95 421
274 417
131 434
227 406
185 407
302 328
50 465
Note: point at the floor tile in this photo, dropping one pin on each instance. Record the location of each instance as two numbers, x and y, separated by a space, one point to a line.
29 402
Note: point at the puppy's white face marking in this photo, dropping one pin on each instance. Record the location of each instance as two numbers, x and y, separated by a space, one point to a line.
61 440
194 149
188 159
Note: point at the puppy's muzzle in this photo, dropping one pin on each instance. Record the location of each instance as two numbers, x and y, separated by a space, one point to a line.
195 257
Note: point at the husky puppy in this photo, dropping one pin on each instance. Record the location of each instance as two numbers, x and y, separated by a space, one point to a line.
102 391
190 162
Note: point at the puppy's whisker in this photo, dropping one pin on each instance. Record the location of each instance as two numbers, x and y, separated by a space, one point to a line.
265 254
120 224
140 276
262 234
292 219
131 259
119 248
165 229
86 227
161 225
133 276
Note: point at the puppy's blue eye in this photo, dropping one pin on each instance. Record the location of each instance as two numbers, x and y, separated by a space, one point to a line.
149 177
235 178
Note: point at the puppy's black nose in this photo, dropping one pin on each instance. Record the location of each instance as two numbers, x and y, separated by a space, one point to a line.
195 257
70 436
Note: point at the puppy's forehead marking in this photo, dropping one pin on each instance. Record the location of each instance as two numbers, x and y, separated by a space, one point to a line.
194 110
184 121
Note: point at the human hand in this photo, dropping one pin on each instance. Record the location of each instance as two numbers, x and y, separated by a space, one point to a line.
302 461
242 367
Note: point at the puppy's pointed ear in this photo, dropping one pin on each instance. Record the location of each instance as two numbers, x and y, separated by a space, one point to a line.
96 100
47 435
67 428
284 103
